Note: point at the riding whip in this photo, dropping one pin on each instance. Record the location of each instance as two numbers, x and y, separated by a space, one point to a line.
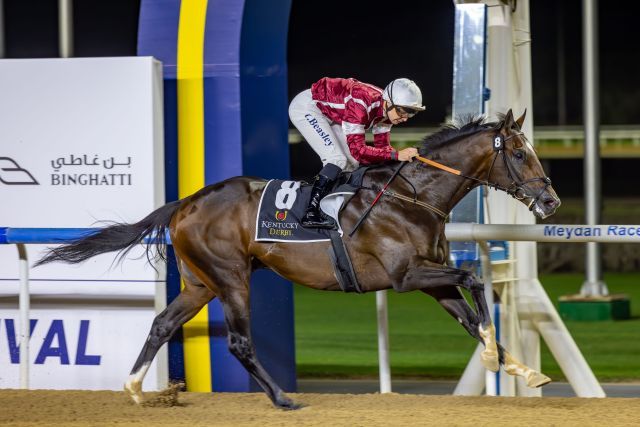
366 213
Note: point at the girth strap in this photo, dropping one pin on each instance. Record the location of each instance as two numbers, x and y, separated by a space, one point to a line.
342 266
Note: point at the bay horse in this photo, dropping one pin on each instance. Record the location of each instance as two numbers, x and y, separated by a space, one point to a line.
401 246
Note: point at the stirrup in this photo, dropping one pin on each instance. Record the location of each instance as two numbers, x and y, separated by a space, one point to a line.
324 221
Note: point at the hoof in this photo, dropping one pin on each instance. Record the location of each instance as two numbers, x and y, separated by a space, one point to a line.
291 406
537 379
286 404
134 390
490 360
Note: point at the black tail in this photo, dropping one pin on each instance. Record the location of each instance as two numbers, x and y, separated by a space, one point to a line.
118 237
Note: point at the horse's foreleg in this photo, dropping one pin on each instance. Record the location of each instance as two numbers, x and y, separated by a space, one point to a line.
454 303
433 276
452 300
489 355
236 312
186 305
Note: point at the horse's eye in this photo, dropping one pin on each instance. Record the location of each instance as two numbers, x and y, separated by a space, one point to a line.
519 155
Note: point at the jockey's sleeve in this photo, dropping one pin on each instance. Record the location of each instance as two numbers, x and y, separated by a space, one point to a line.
381 139
353 126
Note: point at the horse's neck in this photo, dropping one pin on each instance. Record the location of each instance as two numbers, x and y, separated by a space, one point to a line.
444 189
436 187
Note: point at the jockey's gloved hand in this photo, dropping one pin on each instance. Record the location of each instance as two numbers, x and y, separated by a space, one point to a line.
407 154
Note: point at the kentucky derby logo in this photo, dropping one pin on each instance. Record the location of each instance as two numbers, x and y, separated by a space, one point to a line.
281 215
12 174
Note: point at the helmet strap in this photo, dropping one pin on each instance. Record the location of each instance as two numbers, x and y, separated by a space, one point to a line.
391 105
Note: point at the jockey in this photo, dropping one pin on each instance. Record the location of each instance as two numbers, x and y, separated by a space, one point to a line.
333 115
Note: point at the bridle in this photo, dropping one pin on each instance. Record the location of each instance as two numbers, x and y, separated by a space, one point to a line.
518 187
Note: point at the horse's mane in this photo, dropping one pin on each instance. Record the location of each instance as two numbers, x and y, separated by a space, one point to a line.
451 132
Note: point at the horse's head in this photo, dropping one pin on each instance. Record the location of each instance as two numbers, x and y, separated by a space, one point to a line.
513 166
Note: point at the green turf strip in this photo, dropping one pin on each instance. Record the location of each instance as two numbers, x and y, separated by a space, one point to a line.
336 334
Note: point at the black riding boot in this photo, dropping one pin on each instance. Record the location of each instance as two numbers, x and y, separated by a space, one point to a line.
314 218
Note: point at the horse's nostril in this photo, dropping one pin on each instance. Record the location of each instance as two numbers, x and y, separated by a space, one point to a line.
551 203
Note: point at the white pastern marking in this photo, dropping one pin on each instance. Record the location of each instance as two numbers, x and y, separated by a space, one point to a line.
134 383
139 376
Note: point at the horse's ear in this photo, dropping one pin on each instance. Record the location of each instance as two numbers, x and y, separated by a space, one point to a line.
520 119
508 120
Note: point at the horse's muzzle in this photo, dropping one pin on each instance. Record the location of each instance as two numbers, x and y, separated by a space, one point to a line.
546 205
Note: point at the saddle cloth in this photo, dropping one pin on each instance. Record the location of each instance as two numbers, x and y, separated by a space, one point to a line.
284 203
282 206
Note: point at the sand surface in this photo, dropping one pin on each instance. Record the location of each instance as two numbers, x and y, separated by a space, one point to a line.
98 408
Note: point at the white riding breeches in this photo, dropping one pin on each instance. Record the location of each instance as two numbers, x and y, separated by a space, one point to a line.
325 137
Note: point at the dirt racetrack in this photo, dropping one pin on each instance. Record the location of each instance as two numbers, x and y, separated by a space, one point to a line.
98 408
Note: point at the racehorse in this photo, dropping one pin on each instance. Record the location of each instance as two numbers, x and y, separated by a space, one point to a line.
401 246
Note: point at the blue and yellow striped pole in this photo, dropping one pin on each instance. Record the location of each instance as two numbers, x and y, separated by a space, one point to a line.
225 114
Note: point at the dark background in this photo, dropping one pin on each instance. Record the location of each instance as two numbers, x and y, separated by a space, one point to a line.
416 41
376 43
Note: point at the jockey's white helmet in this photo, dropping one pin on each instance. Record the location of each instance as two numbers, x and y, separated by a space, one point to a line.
404 93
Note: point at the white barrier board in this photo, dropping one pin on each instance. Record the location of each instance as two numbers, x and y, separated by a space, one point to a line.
89 348
81 141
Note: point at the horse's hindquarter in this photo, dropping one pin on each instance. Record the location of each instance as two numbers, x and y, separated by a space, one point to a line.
212 230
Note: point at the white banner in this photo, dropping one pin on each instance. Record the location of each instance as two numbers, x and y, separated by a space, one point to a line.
76 347
81 141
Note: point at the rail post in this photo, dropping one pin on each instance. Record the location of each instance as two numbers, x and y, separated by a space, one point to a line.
25 327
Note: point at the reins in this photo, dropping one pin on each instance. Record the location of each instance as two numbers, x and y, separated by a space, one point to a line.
516 188
417 202
366 213
438 165
400 196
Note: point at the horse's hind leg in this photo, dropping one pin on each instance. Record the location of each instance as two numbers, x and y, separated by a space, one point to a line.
454 303
221 262
186 305
235 304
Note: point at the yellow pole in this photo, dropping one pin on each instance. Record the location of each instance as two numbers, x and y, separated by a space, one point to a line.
191 29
